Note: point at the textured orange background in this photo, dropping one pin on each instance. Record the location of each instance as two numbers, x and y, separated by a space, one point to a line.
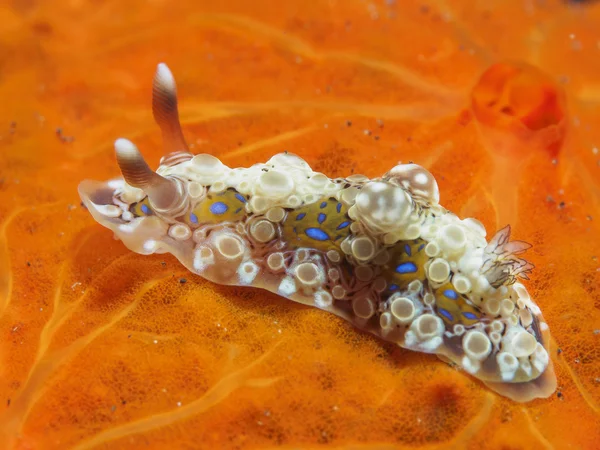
102 348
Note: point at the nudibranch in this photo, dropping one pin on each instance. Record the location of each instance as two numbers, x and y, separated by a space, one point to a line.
381 253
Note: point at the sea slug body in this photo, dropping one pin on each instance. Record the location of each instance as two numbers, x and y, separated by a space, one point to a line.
381 253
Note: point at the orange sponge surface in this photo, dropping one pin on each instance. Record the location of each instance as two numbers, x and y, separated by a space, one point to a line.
103 348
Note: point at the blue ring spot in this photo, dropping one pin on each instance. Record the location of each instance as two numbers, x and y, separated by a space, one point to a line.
393 287
339 207
343 225
193 218
240 197
317 234
145 209
420 247
407 249
238 210
407 267
449 293
323 205
321 218
300 216
218 208
469 315
446 314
